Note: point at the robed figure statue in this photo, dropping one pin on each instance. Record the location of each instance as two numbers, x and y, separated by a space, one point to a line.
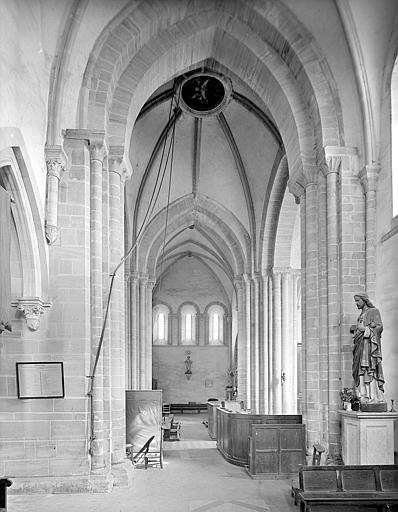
367 370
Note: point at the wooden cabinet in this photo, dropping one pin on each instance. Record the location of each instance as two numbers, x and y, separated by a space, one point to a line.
275 451
234 429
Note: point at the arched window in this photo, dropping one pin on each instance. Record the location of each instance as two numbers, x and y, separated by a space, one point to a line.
394 137
160 324
216 325
188 325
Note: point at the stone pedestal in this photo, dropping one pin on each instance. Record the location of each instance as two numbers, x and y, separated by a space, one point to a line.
367 437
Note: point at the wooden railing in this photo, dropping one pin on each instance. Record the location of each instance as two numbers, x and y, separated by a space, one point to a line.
140 456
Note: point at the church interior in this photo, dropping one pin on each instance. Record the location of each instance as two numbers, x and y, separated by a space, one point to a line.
197 200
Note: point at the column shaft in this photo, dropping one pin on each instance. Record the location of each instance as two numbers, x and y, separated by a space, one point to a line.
96 162
246 287
333 278
277 345
312 312
149 324
142 333
242 361
133 338
117 303
288 346
264 342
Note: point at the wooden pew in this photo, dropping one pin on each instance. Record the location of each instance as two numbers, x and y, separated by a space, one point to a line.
4 483
190 406
375 485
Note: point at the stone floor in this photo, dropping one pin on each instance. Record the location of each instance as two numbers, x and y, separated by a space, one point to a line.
195 478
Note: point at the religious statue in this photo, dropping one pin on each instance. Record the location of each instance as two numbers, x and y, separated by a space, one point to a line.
367 370
188 364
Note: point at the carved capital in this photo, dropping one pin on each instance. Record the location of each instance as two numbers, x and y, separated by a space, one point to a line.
32 308
134 276
368 177
144 279
117 163
55 161
54 167
333 164
97 150
238 282
151 283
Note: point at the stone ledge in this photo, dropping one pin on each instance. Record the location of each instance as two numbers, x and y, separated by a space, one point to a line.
93 483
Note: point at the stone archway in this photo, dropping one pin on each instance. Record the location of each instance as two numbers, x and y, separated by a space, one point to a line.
129 62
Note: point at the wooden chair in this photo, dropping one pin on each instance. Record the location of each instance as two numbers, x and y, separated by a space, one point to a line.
175 430
166 410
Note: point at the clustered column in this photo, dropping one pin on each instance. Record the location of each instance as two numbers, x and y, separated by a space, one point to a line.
269 348
140 330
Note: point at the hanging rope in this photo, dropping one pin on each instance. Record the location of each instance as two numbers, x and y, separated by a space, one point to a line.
172 144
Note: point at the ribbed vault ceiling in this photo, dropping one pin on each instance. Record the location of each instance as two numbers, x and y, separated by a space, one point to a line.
216 187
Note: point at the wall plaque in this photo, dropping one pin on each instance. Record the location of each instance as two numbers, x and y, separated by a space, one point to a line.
40 380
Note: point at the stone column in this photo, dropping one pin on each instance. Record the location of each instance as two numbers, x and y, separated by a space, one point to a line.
151 283
323 356
242 341
333 161
117 171
288 362
276 376
369 176
296 333
55 161
248 332
271 343
265 340
142 332
133 313
106 349
256 321
97 154
311 312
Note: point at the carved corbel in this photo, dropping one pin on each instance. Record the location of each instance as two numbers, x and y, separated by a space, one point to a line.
55 161
32 308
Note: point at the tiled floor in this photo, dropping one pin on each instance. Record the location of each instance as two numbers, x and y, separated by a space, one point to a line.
195 478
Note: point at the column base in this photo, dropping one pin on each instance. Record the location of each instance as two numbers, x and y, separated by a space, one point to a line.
101 481
123 473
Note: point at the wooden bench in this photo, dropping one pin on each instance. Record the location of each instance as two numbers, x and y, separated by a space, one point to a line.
318 449
4 483
375 485
190 406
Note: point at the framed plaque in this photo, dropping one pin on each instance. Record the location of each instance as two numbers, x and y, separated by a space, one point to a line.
40 380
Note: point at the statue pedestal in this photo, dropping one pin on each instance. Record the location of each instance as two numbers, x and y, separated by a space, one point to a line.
367 437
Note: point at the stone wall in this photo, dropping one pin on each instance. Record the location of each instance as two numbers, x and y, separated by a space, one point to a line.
209 373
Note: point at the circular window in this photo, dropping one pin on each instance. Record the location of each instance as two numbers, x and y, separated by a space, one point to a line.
205 93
